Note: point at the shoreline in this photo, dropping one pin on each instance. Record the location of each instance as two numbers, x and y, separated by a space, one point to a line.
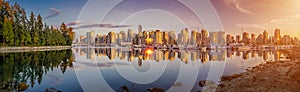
283 76
30 49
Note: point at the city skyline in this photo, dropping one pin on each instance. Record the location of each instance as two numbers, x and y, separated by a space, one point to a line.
235 15
200 38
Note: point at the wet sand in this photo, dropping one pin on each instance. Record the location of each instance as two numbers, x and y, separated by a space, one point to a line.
279 76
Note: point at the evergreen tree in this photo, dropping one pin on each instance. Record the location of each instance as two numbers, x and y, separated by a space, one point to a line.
8 33
17 30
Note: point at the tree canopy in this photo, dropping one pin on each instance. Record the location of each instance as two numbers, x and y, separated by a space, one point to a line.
17 30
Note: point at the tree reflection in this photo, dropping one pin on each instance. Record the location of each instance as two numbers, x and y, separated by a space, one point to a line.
21 70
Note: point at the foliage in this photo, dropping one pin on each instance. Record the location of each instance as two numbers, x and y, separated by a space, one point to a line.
17 30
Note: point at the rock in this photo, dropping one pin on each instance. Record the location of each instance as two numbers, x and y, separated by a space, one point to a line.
52 90
295 72
206 83
156 90
125 88
227 78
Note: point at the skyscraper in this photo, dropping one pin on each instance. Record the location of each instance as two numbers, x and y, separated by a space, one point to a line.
221 38
253 39
158 37
140 28
245 38
166 38
90 38
265 37
277 36
111 38
213 38
193 37
130 34
229 39
183 37
238 38
217 38
260 39
204 35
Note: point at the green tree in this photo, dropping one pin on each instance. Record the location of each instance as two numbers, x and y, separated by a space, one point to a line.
8 33
18 30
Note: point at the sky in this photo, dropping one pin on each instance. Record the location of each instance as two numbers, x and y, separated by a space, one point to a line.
232 16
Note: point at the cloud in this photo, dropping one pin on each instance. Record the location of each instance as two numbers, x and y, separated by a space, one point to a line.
236 4
245 11
286 22
54 12
101 26
73 23
251 26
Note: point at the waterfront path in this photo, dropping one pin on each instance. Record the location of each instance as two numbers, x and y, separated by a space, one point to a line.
29 49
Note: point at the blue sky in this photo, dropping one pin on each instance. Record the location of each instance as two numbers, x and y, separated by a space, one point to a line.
253 16
69 8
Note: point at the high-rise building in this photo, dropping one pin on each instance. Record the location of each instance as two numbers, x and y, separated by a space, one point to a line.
90 38
277 36
172 38
238 38
111 38
213 38
185 36
204 34
198 38
166 38
81 38
221 38
119 38
140 28
253 39
130 34
265 37
260 39
172 35
124 36
193 37
253 36
246 38
158 37
217 38
229 39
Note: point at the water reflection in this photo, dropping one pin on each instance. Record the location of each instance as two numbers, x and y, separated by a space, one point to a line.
20 71
172 78
123 69
170 55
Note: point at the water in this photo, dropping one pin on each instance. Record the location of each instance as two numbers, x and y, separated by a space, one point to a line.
119 69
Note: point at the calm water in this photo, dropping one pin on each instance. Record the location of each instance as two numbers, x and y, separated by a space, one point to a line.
113 69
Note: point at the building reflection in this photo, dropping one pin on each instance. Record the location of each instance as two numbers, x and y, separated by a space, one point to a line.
184 56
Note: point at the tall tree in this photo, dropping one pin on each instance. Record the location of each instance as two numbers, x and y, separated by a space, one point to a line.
71 35
8 32
24 28
39 23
